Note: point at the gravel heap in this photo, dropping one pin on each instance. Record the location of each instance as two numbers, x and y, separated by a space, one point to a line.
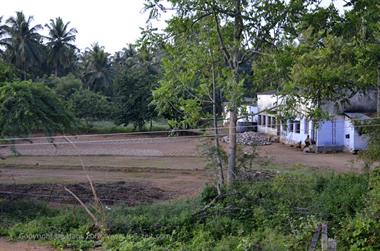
250 138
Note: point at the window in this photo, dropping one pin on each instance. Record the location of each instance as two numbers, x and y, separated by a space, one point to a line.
284 125
264 120
306 128
297 126
269 121
259 120
347 136
273 124
291 126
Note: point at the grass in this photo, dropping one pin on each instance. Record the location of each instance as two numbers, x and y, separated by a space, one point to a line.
104 127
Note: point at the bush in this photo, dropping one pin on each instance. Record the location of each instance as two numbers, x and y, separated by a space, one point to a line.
89 105
27 107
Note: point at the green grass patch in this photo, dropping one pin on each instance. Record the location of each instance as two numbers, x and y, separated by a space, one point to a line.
105 127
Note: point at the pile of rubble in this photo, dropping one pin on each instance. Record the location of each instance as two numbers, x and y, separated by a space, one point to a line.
251 138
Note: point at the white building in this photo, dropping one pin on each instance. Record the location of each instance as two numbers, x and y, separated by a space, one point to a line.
337 133
247 112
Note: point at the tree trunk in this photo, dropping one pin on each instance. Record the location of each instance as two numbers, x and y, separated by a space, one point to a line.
234 64
231 173
378 89
216 131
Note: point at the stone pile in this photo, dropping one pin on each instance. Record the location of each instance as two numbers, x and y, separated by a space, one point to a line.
251 138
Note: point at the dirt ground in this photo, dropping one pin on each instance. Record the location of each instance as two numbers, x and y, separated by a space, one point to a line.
131 170
172 165
22 246
285 155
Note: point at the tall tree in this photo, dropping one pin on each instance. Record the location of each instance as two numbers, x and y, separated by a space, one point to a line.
239 26
60 43
97 69
23 42
136 77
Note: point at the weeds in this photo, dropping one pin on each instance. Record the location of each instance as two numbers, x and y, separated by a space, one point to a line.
280 213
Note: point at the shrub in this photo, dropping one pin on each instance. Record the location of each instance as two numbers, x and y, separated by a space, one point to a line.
26 107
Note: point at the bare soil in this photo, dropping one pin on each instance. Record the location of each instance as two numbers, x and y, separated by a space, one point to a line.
127 169
131 193
22 246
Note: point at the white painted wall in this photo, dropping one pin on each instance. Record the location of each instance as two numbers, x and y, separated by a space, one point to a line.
264 102
289 137
355 142
249 109
349 131
266 128
331 133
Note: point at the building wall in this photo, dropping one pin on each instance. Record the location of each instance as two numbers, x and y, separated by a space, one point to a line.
353 140
289 134
267 124
264 102
331 134
249 109
348 135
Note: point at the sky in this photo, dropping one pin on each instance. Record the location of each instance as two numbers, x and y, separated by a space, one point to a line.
112 23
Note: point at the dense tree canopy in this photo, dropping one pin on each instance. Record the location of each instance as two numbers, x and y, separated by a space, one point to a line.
90 105
133 88
27 107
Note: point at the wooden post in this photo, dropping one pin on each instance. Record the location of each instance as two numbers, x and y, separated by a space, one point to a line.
327 244
324 239
315 238
331 245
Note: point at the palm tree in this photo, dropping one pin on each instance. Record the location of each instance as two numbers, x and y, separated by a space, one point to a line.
60 42
97 69
23 42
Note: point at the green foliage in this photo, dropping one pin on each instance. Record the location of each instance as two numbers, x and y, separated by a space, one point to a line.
272 68
361 233
63 86
134 87
89 105
324 74
97 72
189 69
27 107
7 72
278 214
23 45
60 44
